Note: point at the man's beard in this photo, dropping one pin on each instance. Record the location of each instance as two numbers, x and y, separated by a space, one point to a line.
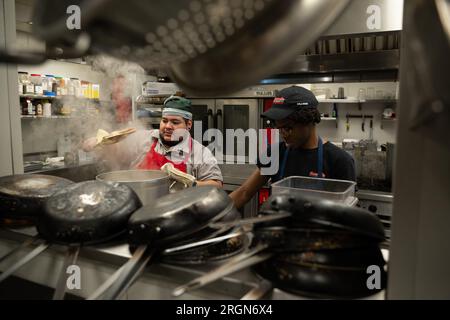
170 143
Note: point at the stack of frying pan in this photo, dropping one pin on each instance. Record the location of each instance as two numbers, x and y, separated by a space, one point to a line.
324 250
167 229
70 214
313 248
94 212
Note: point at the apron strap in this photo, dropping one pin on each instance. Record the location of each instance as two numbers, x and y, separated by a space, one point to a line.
280 174
320 159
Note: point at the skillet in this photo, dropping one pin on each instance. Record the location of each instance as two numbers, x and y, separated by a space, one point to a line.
340 278
171 220
22 196
86 213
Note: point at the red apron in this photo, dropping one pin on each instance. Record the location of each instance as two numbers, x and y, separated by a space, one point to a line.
154 161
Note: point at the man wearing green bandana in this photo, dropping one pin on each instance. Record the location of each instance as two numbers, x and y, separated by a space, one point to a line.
171 145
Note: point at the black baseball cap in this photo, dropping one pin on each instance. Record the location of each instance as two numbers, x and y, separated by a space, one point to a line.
290 100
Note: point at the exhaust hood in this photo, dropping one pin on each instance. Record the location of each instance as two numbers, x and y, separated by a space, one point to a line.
368 16
363 44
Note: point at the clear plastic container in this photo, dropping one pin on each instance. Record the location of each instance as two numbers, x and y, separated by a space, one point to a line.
76 83
335 190
36 80
28 87
49 85
23 81
62 86
70 87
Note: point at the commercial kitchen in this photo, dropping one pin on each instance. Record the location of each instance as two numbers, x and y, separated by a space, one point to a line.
72 72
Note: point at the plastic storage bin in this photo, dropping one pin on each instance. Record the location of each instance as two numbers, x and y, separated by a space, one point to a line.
334 190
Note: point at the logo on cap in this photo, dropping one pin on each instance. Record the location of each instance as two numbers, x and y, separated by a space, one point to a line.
279 100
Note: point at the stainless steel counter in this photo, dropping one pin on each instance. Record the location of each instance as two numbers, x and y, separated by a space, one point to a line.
98 263
236 174
157 282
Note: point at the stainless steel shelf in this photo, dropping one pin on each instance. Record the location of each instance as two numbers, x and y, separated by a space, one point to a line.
51 117
34 96
357 101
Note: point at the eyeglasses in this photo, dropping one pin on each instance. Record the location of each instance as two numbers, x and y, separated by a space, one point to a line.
285 129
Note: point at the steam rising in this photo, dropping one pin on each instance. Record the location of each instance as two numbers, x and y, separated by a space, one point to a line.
122 82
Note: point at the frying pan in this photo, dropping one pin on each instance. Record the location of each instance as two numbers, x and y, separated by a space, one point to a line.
89 212
340 259
282 239
175 217
172 219
300 211
22 196
198 242
209 253
269 241
84 213
318 282
208 232
325 213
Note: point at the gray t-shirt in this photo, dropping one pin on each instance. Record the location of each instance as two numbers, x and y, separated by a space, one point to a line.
200 163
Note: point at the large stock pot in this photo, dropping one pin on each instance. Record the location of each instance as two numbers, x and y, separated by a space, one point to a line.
148 184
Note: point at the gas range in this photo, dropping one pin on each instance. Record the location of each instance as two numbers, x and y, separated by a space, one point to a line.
379 203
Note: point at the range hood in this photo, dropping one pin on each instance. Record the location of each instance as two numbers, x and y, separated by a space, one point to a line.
362 45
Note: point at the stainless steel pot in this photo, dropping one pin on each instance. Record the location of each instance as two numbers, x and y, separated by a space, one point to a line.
148 184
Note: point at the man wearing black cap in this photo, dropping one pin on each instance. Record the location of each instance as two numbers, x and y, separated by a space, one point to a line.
302 153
